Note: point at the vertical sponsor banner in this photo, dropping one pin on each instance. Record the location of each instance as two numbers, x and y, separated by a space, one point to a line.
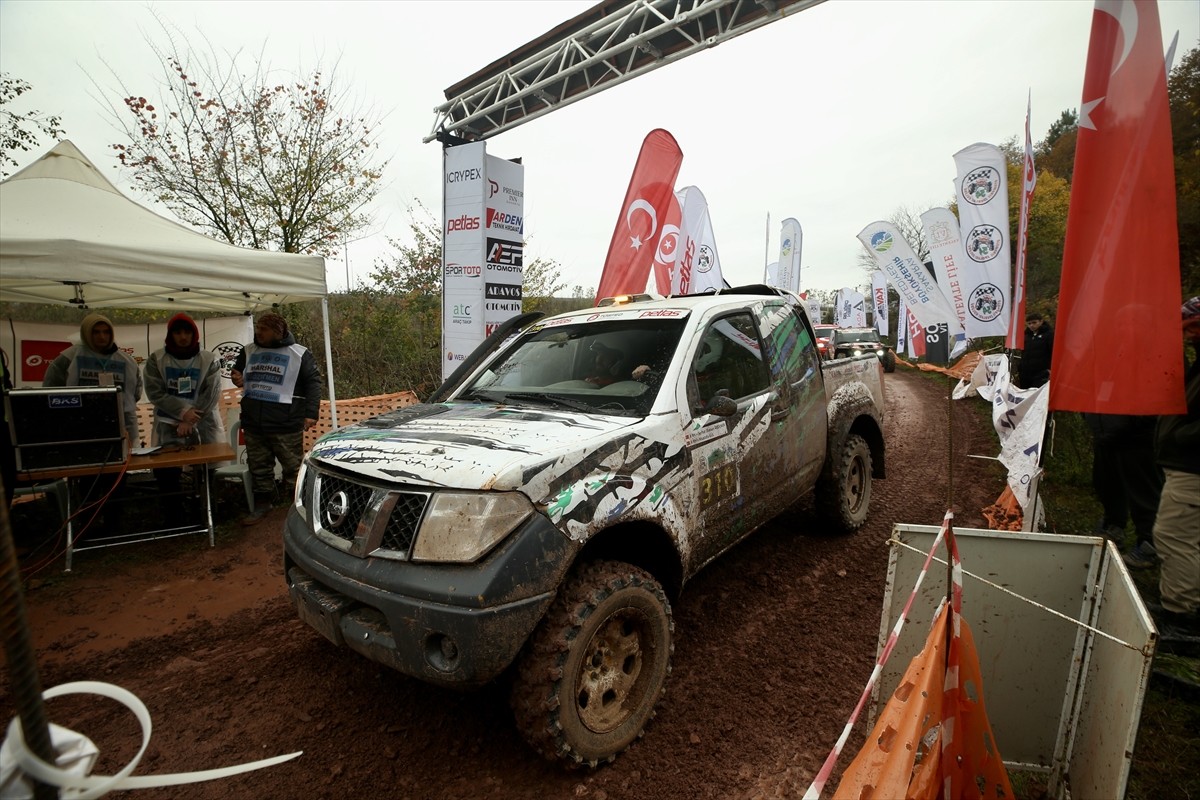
851 311
790 240
902 343
1120 277
1016 323
465 189
879 299
982 187
913 282
946 253
503 252
812 307
916 336
772 274
645 232
697 265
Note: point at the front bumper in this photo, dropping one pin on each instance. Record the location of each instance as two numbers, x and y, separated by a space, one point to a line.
448 624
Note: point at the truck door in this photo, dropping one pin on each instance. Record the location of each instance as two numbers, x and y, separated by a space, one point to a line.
800 415
732 463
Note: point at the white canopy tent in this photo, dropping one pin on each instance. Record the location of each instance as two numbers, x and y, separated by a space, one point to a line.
69 237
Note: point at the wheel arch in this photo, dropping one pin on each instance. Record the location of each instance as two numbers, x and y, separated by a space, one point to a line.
854 412
642 544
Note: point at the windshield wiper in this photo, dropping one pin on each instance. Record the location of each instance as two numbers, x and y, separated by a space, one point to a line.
554 400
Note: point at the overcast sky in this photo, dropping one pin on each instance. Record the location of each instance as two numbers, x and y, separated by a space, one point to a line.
838 115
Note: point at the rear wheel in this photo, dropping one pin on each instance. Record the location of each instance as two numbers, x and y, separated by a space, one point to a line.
845 498
595 668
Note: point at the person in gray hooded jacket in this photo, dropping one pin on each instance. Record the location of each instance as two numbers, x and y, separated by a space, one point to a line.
183 381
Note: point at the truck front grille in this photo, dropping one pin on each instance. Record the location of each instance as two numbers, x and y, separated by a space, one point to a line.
341 506
362 519
403 523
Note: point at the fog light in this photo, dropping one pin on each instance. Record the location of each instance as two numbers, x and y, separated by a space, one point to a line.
441 652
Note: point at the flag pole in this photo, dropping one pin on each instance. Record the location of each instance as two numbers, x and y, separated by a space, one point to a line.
766 246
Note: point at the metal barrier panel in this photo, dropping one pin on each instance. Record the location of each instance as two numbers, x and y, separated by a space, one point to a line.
1049 683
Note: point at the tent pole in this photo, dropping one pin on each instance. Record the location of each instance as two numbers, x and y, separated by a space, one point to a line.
329 361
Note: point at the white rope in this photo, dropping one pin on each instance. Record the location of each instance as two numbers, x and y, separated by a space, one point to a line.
88 787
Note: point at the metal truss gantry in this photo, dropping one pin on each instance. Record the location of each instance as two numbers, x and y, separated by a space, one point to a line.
609 44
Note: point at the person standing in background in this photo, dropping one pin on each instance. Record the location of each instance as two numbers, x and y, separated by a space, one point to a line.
183 382
97 361
1177 526
8 454
1126 481
1034 368
281 399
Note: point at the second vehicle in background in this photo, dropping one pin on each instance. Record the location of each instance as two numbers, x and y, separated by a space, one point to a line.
824 334
861 343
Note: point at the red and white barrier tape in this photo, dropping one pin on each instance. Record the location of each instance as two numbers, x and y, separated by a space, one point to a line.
818 785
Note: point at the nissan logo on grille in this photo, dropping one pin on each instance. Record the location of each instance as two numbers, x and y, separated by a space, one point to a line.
336 510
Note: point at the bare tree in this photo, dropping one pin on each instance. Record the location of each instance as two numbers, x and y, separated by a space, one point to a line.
260 159
21 131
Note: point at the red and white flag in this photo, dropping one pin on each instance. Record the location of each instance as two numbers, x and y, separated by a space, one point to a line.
1016 325
645 231
1117 346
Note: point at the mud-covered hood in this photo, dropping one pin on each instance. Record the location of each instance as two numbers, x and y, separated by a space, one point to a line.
463 446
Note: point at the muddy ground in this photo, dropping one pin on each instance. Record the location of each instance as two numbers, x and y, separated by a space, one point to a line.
774 643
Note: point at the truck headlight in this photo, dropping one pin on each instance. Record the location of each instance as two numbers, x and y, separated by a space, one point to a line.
461 527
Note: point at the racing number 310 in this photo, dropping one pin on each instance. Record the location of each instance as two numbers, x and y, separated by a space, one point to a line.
717 485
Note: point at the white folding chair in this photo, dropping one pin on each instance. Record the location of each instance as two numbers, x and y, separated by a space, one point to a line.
239 470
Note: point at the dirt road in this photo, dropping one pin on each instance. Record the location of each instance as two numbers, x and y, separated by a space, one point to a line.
774 643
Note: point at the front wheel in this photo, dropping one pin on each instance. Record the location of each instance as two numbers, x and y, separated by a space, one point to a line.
889 361
845 498
594 670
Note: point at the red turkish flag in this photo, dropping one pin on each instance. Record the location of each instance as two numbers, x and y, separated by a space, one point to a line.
1118 346
665 253
643 228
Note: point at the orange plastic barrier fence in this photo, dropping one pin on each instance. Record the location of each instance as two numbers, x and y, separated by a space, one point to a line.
1005 514
906 757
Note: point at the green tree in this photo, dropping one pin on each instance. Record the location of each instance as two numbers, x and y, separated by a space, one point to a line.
1183 89
252 156
21 131
1065 123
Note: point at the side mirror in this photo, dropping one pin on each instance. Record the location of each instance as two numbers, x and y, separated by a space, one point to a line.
721 406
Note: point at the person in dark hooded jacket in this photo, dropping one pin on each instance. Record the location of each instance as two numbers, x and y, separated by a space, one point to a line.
281 399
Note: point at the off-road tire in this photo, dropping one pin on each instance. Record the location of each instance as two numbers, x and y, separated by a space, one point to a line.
889 361
845 499
591 675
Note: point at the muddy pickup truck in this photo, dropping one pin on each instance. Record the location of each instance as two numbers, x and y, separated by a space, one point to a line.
539 514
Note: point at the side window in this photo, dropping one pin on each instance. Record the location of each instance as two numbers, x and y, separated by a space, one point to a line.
791 347
729 361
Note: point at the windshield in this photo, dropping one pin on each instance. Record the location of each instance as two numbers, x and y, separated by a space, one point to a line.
613 367
857 336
